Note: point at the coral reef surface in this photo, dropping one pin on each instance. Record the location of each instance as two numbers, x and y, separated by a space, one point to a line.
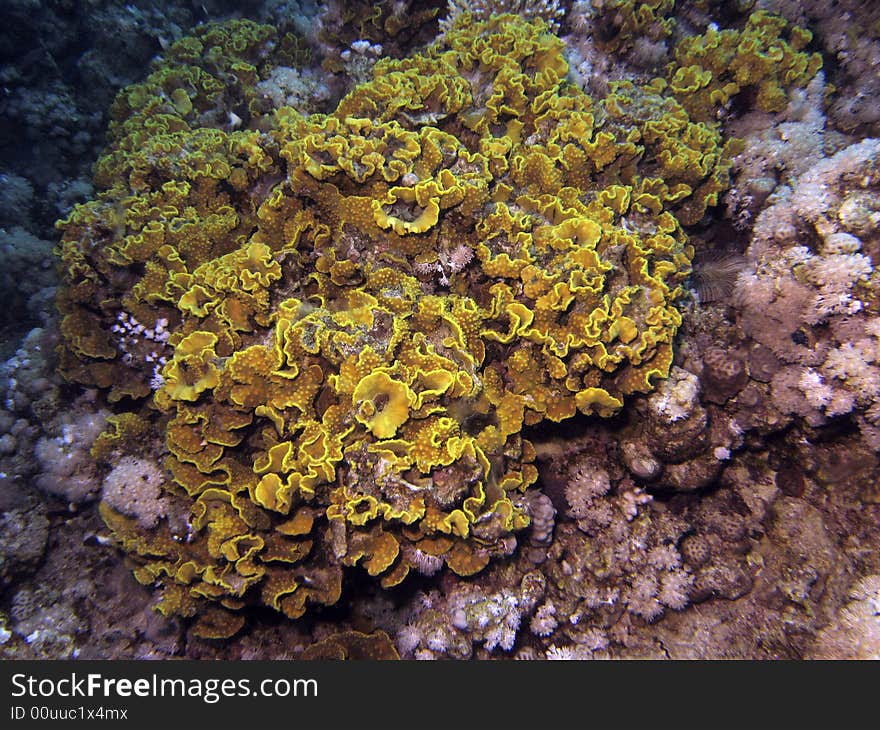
468 330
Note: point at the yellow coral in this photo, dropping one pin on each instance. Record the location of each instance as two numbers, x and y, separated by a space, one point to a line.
710 69
193 368
363 309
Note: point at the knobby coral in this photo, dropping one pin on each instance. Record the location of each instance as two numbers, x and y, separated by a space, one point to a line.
347 320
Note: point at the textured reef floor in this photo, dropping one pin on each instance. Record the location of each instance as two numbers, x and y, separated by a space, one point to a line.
485 330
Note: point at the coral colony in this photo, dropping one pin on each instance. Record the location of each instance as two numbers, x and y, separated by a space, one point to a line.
488 330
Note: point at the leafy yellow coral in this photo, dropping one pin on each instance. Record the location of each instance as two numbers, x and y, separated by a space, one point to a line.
621 22
710 69
354 315
382 404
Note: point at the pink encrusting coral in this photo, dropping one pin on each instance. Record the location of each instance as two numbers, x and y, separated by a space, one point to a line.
134 487
810 296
